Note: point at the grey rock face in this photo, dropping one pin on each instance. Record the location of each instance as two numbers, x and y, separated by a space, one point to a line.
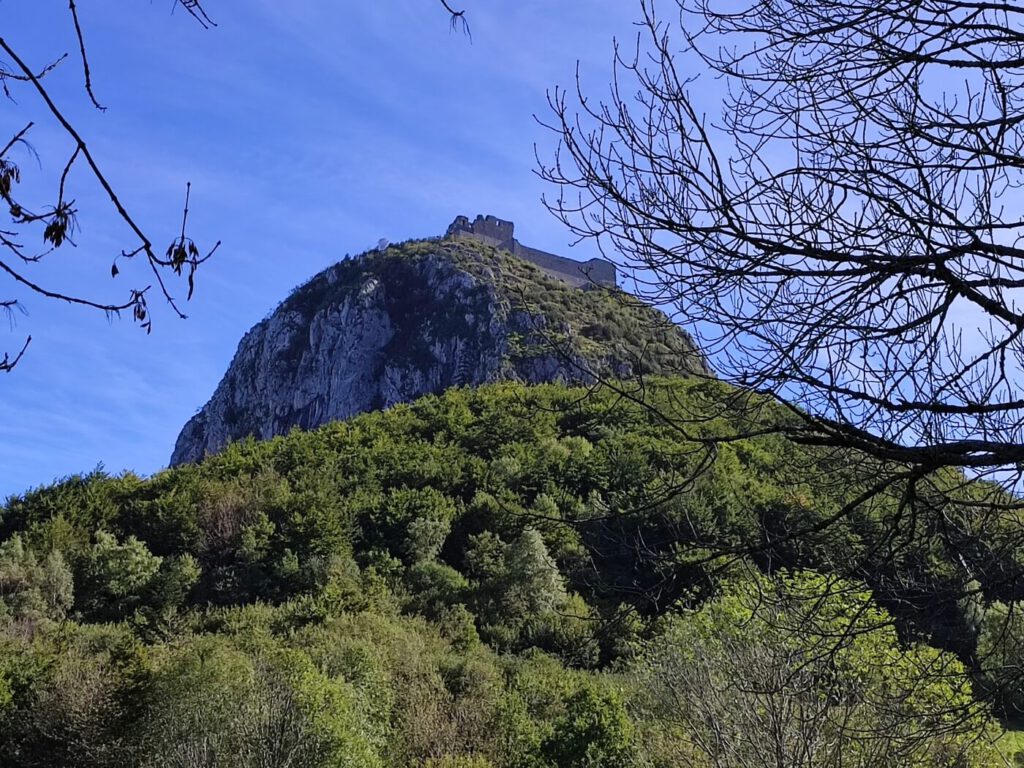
383 329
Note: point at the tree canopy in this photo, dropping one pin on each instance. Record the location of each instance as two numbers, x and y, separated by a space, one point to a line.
498 577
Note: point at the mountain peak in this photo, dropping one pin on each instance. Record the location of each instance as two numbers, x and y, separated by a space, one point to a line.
407 320
500 234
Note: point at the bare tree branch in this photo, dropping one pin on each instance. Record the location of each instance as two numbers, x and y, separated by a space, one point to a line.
84 58
59 221
843 239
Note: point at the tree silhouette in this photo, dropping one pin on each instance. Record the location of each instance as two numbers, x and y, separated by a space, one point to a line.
844 237
55 222
826 194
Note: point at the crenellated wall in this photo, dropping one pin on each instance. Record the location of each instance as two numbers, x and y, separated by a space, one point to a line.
501 234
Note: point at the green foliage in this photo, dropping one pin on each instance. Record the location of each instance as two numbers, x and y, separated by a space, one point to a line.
116 577
459 761
424 538
433 587
238 706
452 583
598 323
736 684
593 732
608 328
1011 747
529 581
30 589
66 706
1001 654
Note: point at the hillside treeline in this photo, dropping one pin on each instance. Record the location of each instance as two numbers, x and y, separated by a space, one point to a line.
509 576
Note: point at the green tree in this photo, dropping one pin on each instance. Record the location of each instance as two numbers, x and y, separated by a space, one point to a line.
211 703
1000 655
532 582
69 698
804 671
594 732
116 577
30 589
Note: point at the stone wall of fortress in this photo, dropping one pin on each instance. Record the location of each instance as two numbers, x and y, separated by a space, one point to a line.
501 234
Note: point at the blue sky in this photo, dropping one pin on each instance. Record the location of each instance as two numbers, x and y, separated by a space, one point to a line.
309 130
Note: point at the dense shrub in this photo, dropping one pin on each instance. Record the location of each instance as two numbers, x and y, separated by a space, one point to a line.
452 583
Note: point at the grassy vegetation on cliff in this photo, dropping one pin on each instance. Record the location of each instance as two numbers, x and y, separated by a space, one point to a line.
604 326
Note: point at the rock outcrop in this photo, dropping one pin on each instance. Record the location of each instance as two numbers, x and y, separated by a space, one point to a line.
390 326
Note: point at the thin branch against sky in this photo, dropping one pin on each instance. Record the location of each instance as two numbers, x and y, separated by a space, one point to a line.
308 132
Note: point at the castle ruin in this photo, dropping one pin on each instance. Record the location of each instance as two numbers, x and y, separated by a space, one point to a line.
501 234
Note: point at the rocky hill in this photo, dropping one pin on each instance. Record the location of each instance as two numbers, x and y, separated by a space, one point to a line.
413 319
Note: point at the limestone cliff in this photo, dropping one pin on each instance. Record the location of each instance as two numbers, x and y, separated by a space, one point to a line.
390 326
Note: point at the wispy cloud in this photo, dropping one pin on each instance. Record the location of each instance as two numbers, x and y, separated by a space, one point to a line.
309 130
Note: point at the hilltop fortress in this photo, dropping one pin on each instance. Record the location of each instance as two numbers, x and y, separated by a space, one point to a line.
501 234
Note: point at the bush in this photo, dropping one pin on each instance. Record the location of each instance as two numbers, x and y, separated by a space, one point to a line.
30 590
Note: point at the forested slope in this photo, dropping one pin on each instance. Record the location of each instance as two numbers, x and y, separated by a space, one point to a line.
502 576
